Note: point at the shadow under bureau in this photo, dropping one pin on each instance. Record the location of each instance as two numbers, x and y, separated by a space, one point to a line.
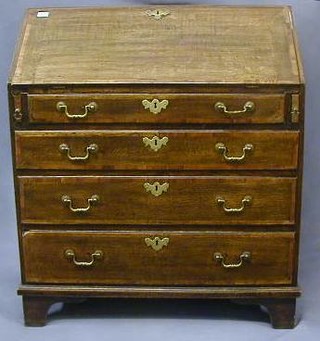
157 153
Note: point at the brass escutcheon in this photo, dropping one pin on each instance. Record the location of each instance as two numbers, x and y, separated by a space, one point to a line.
155 106
156 188
157 13
156 142
157 243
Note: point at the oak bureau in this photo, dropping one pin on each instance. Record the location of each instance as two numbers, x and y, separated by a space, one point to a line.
157 153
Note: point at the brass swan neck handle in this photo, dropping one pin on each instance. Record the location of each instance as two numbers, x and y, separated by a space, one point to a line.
245 256
94 256
247 200
67 200
89 108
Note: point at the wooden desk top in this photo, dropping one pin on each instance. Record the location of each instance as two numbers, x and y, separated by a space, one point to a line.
204 45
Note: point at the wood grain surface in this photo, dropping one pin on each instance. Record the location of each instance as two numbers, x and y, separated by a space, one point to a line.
193 58
186 260
184 150
193 44
181 108
188 200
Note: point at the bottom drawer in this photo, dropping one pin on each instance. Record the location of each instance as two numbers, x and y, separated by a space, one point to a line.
158 258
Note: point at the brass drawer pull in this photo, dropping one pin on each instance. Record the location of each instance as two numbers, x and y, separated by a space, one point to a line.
89 108
155 106
248 107
155 143
157 243
91 149
91 201
222 149
247 200
245 256
94 256
156 188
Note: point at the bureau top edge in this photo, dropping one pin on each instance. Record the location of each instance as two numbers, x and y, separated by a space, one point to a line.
169 45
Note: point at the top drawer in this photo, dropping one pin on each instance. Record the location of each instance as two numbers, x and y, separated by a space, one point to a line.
157 108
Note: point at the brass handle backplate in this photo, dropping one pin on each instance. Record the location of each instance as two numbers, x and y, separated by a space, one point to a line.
247 200
222 149
245 256
66 199
156 143
157 243
89 108
94 256
91 149
248 107
156 188
155 106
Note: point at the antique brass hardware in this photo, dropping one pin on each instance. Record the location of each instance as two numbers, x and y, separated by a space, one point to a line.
156 188
247 200
157 243
156 142
157 13
295 111
94 256
155 106
295 114
66 199
17 115
221 107
222 149
91 149
245 256
89 108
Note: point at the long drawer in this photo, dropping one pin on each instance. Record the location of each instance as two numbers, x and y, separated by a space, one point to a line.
157 150
157 108
157 200
152 258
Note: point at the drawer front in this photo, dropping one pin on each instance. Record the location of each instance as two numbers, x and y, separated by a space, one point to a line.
157 200
152 259
157 150
157 108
